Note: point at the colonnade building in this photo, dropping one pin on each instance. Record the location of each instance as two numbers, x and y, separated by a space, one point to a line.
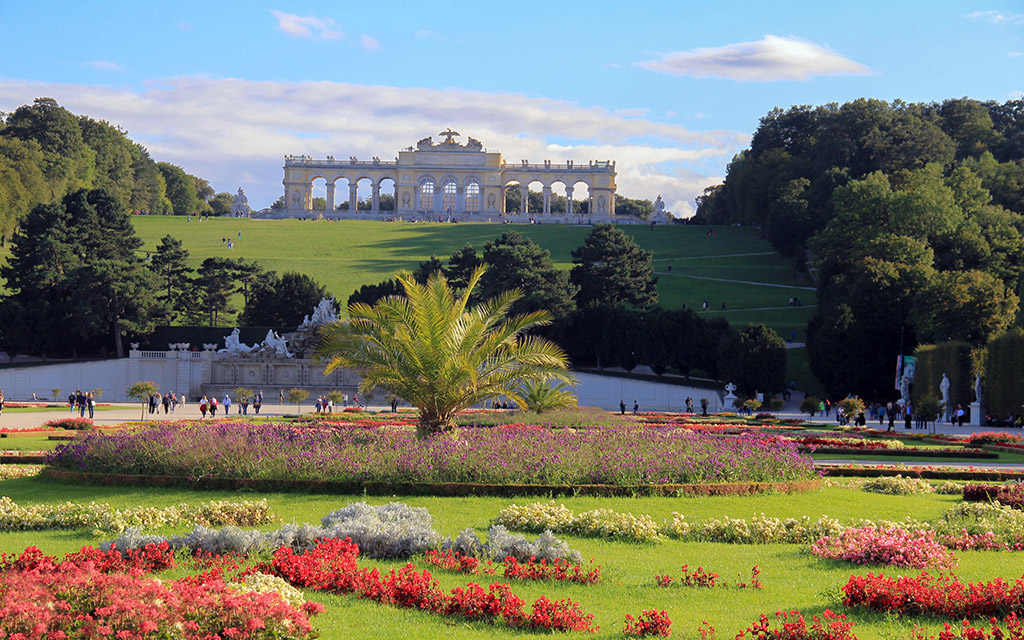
449 179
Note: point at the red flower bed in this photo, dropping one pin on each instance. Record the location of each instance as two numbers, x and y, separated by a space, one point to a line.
878 545
76 598
455 561
559 569
793 626
1010 495
331 566
942 595
995 437
1014 631
702 578
649 623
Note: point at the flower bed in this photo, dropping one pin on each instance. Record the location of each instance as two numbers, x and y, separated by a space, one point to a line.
88 595
879 545
943 595
499 455
1012 495
103 517
11 471
921 471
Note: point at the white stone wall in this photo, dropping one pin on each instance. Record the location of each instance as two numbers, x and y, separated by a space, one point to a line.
606 391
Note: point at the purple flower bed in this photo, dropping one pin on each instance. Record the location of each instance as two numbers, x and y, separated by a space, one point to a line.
496 455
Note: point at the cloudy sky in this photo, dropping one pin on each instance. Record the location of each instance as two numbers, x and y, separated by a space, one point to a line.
670 90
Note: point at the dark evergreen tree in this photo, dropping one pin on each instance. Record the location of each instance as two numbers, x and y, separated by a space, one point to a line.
461 265
282 301
611 270
754 358
170 264
369 294
516 262
76 280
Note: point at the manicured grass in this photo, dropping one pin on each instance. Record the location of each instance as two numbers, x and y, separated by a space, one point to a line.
348 254
793 578
33 442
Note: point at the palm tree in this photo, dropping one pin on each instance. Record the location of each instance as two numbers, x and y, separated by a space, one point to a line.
440 355
542 396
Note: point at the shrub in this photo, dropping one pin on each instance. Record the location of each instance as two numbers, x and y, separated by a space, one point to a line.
70 424
1011 495
501 544
792 626
942 595
898 485
950 489
649 623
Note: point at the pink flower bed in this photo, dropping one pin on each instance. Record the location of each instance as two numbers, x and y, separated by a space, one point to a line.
877 545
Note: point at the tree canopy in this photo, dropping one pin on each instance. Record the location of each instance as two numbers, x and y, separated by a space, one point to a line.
611 269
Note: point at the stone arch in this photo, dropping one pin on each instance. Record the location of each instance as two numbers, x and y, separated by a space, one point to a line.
449 194
582 197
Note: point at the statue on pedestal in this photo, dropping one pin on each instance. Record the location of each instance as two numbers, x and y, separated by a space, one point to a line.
232 345
944 390
240 204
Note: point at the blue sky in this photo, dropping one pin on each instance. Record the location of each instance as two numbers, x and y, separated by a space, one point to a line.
670 90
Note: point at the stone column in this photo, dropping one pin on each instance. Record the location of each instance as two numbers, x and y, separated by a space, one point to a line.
330 197
353 198
524 198
436 205
460 199
376 198
547 200
568 200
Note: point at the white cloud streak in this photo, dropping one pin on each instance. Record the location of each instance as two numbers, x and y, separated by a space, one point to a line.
368 43
306 26
104 65
997 17
229 130
771 59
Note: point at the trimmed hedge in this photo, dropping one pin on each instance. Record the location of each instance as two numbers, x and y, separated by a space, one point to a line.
1003 386
951 358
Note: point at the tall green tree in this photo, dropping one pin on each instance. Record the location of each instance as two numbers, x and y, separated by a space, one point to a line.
516 262
432 349
170 264
76 280
68 163
611 269
181 188
755 359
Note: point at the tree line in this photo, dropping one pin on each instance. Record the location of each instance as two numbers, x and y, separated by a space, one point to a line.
78 284
47 152
909 217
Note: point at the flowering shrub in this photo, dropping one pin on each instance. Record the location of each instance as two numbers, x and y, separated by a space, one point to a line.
12 471
262 583
897 485
880 545
792 626
501 544
559 570
942 595
71 424
993 437
984 520
950 489
454 561
1011 494
649 623
331 566
702 578
599 522
42 598
103 517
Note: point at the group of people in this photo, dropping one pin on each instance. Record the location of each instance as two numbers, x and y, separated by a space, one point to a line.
211 405
169 401
83 401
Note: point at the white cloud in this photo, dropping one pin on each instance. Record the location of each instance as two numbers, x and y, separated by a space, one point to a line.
997 17
1014 54
368 43
235 132
306 26
104 65
770 59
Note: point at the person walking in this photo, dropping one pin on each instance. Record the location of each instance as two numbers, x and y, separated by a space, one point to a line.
167 403
257 402
202 406
636 407
213 406
622 407
227 405
91 401
1 402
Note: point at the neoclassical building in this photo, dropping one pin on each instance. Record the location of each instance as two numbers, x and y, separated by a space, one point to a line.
447 178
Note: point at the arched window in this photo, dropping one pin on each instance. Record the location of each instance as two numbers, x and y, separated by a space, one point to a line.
448 196
473 197
426 196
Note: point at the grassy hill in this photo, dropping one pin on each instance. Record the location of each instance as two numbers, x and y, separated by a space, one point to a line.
735 267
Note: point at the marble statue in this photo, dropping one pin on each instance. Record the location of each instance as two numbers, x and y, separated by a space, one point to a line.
977 387
232 345
275 343
324 312
944 389
240 205
659 209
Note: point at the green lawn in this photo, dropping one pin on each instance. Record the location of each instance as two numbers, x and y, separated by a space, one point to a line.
348 254
793 579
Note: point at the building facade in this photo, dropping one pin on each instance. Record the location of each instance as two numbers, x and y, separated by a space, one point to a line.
464 181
